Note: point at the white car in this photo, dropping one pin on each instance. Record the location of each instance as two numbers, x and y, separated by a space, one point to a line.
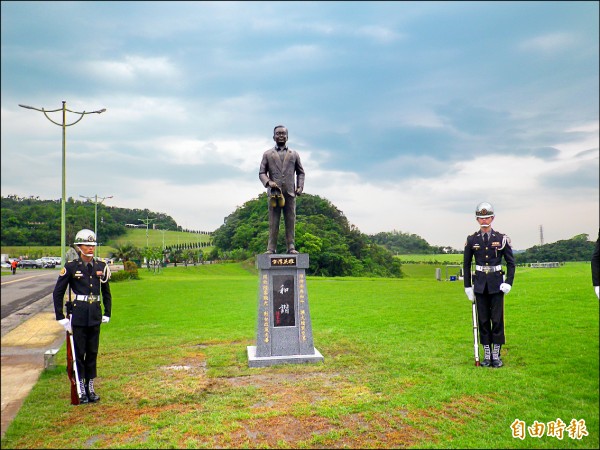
47 261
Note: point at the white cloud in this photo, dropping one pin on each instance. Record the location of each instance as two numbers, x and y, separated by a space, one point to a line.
131 69
240 154
200 207
549 43
591 127
379 33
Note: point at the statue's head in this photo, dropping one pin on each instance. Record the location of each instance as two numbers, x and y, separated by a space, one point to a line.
280 135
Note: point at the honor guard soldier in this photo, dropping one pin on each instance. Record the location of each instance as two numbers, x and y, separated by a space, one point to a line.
488 284
87 278
595 262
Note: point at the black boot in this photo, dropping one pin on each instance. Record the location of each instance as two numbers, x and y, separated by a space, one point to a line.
90 391
486 356
83 398
496 361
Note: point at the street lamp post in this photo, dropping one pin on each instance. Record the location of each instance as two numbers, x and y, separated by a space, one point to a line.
64 125
96 216
146 221
163 247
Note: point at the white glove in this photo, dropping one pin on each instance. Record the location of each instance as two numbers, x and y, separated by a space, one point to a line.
105 319
470 294
505 287
66 323
597 289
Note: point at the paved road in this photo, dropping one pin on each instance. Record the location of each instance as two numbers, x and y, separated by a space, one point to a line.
28 330
25 288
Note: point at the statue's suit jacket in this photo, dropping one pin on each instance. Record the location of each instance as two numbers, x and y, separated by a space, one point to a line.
288 173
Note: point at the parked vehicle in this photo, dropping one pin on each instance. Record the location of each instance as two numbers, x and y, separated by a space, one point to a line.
47 262
29 264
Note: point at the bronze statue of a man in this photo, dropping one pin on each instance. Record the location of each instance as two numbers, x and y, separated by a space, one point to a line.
281 172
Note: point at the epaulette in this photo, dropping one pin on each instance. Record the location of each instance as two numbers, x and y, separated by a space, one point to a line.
470 236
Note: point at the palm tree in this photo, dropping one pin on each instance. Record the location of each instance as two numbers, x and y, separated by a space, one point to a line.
126 251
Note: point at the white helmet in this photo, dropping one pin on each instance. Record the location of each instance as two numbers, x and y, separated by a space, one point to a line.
484 209
85 237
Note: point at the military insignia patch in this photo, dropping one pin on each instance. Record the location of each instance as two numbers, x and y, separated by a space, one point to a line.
63 271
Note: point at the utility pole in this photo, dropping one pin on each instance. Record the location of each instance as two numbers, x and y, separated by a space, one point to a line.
64 125
146 221
96 217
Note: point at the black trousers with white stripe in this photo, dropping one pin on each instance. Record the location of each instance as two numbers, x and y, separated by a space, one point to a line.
490 315
87 341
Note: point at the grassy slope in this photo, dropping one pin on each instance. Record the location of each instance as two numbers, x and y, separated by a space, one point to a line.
398 368
136 236
432 259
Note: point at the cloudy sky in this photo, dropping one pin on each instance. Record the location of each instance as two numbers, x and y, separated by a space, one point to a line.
406 115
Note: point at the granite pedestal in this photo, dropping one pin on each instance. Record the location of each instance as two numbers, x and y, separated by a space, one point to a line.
284 330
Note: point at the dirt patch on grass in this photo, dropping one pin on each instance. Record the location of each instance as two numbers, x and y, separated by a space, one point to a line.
293 410
281 407
458 410
181 381
348 431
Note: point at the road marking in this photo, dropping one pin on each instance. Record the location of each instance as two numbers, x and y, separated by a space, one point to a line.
23 279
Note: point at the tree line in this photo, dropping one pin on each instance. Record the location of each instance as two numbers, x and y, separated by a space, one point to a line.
336 247
401 243
578 248
37 222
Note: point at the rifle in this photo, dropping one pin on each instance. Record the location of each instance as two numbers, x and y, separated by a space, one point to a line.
475 334
72 372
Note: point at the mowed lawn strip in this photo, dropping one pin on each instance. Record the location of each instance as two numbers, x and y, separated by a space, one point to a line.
398 370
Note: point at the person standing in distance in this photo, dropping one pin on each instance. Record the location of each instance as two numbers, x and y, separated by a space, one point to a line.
88 278
281 172
596 267
487 286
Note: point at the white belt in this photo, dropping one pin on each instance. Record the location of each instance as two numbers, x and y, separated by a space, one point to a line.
85 298
489 268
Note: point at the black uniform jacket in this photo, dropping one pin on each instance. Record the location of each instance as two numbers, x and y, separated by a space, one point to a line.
86 313
284 173
490 255
596 263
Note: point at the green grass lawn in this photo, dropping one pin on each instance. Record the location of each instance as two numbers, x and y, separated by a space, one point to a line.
398 370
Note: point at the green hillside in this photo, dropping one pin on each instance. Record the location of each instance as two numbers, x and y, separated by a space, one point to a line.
135 236
440 258
158 238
